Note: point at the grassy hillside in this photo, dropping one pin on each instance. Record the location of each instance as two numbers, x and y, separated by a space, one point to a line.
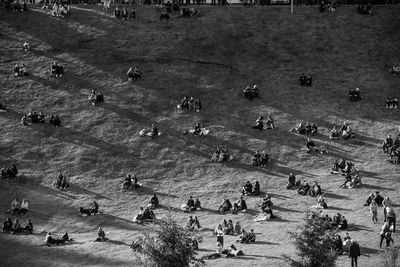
212 57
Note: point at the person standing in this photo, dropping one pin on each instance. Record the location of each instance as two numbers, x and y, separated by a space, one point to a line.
354 253
387 203
373 207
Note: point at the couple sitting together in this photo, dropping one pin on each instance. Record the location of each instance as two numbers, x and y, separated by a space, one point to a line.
135 74
354 95
306 189
250 93
20 70
261 124
240 205
352 180
131 182
305 80
392 102
221 155
343 167
191 205
190 104
265 210
248 189
50 240
9 173
144 215
57 70
18 207
55 121
247 237
260 159
95 97
308 128
15 228
199 130
61 181
93 209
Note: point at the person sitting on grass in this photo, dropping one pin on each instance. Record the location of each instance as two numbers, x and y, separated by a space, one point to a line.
20 70
315 190
16 228
26 46
154 201
132 13
300 129
137 73
269 124
24 207
242 206
334 133
395 69
57 70
28 227
392 102
124 14
92 97
117 13
247 237
92 210
15 206
190 204
291 181
225 206
247 189
309 81
387 144
101 235
7 226
55 121
197 204
259 123
192 223
302 79
304 188
321 202
310 146
256 190
184 104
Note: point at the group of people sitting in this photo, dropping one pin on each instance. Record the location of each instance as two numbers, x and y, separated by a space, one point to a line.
230 252
134 74
338 221
14 228
354 95
59 10
365 9
392 102
199 130
395 69
131 182
221 155
95 97
310 146
323 6
9 173
305 80
34 117
125 14
227 228
344 167
260 159
51 240
344 132
15 5
249 190
306 128
57 70
190 104
144 215
93 209
292 182
247 237
191 205
18 207
250 92
239 205
306 189
20 70
392 148
61 182
187 12
261 124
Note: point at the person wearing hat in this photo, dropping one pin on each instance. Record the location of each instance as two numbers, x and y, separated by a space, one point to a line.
354 253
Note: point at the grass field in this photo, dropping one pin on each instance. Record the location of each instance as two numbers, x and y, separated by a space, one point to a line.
212 57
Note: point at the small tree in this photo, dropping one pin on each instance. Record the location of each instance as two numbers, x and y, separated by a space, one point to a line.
314 242
171 246
391 256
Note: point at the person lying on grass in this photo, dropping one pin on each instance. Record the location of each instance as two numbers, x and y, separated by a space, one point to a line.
50 240
310 146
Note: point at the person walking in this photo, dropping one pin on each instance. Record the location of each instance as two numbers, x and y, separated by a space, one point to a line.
373 207
354 253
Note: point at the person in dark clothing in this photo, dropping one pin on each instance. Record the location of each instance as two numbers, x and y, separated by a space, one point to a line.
190 204
154 201
303 77
354 253
256 188
378 198
291 181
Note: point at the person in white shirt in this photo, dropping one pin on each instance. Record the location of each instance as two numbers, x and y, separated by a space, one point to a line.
24 206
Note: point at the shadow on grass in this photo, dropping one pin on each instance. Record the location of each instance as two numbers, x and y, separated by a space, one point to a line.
336 196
